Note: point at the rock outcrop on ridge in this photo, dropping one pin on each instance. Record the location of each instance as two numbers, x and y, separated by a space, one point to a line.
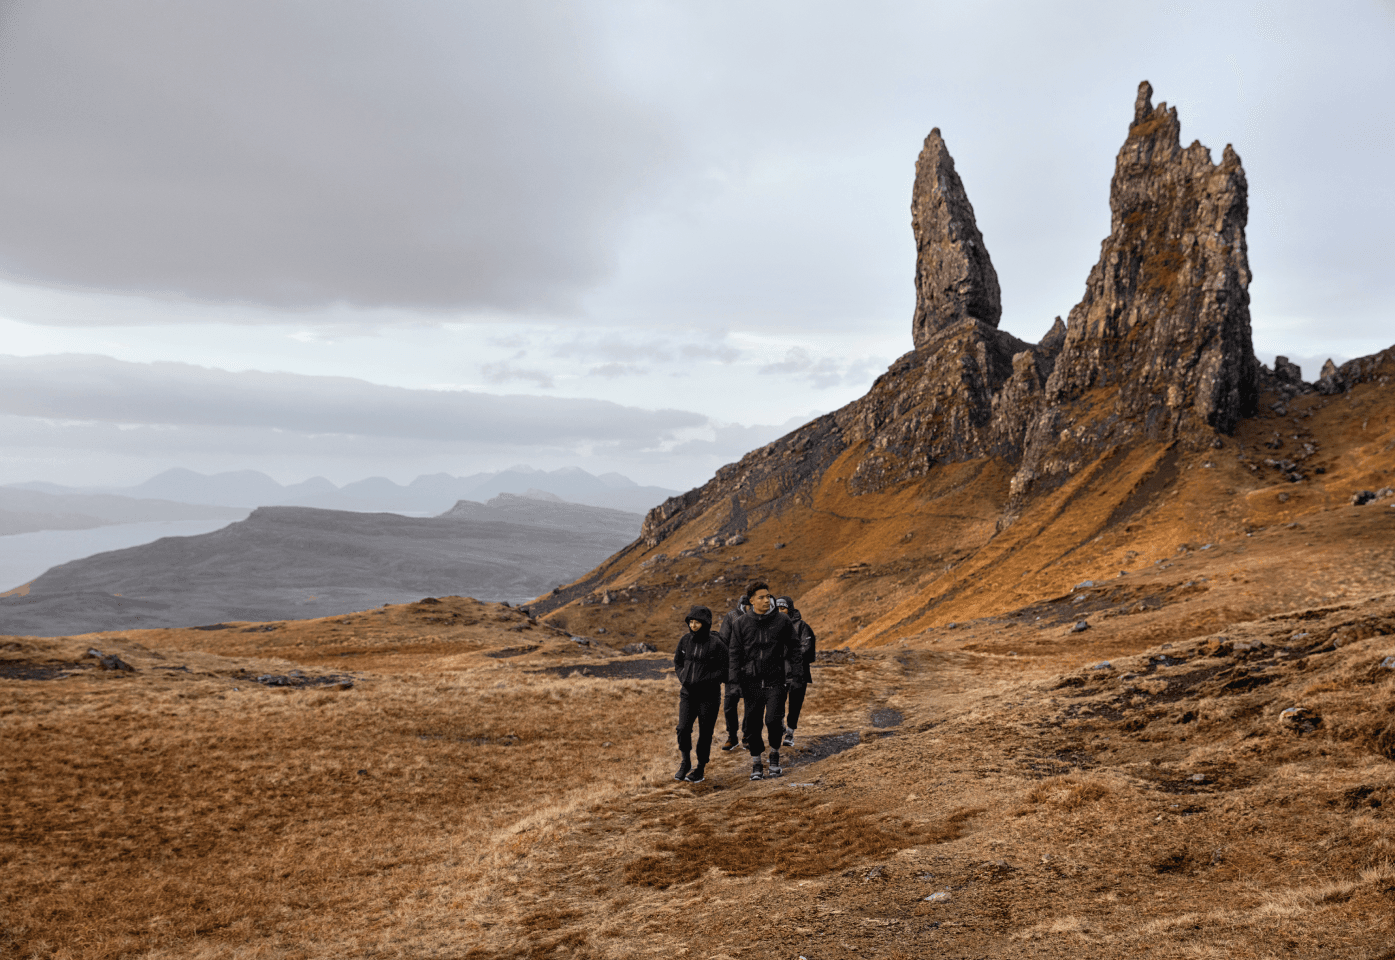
1159 345
979 461
1164 326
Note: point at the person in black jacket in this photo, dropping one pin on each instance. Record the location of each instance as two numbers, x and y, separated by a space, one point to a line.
797 679
731 699
700 662
760 643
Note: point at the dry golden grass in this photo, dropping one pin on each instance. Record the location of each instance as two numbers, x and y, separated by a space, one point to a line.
779 833
506 812
196 809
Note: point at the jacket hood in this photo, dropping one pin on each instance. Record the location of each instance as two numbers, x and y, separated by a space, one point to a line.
786 605
699 613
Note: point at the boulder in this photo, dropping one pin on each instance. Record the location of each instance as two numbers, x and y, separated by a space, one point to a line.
1288 373
1299 720
1330 381
109 661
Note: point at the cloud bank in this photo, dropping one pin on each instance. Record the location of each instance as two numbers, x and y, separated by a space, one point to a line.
100 389
74 411
431 155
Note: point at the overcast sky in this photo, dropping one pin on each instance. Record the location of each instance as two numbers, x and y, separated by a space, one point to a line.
351 239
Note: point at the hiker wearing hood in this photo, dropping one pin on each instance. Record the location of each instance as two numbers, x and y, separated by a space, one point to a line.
731 700
760 644
700 662
797 678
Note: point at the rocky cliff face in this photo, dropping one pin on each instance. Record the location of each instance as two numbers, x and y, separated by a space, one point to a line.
1158 347
1164 328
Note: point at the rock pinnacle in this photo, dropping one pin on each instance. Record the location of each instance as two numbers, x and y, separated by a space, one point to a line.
955 279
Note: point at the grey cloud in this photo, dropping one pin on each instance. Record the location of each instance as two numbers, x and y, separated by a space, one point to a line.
90 388
609 345
85 420
431 155
467 156
612 370
659 348
732 441
503 372
82 453
823 372
722 352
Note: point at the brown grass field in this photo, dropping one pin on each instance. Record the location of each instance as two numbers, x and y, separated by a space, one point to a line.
434 801
455 779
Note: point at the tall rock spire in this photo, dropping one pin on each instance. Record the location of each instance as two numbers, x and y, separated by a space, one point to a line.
1164 327
954 278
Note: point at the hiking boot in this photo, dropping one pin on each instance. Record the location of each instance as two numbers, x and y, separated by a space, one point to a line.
683 769
756 773
697 774
729 746
789 738
775 768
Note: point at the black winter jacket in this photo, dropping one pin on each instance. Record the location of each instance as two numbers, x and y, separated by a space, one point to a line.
759 646
730 619
700 658
804 640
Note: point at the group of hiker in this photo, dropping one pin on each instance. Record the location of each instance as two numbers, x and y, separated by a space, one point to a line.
761 652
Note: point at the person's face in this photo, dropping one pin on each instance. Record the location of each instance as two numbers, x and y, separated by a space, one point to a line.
762 601
695 626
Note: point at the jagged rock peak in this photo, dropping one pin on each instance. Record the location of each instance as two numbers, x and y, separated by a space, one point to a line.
1159 348
1143 103
1165 320
955 279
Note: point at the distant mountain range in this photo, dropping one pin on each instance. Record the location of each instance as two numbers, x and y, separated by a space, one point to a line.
178 489
298 562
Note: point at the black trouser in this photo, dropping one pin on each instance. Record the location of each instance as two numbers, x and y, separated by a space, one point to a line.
768 702
700 702
730 707
796 702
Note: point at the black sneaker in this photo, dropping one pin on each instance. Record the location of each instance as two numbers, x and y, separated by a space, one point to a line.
775 769
729 746
756 773
683 769
789 738
696 775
